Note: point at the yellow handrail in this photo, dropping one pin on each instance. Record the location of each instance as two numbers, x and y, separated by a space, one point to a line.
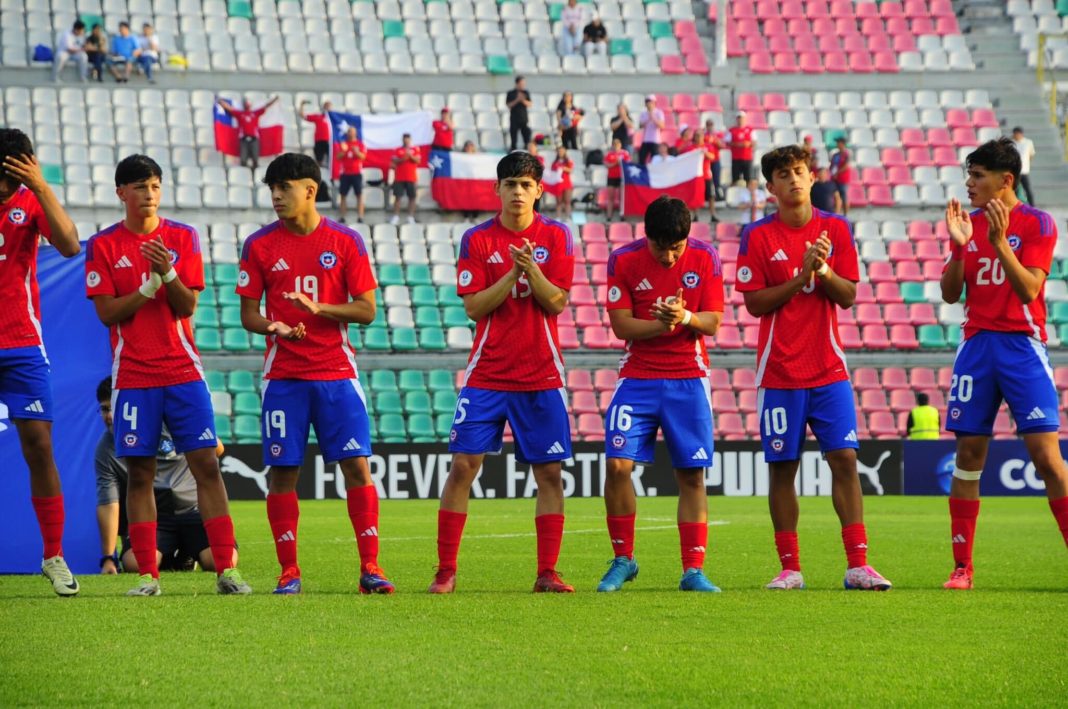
1040 74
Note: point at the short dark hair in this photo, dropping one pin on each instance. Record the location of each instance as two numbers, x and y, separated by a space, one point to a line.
519 164
1017 129
13 142
998 155
922 399
79 25
103 389
406 135
292 166
125 24
781 157
667 221
135 168
519 78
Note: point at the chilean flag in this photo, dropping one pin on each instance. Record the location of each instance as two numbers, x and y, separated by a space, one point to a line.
680 177
553 181
382 134
464 181
227 136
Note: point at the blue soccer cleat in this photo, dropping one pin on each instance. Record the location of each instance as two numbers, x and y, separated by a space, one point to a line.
695 580
373 580
288 583
622 569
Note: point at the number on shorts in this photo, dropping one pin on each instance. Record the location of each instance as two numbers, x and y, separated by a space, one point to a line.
994 268
963 392
309 286
277 421
129 414
775 421
461 410
619 418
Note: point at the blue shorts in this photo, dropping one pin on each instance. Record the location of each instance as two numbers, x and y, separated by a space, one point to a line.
337 408
26 383
829 410
539 419
139 415
682 407
991 366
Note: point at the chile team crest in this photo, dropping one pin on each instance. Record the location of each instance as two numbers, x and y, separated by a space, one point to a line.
174 256
690 279
16 216
276 449
541 254
328 259
1014 242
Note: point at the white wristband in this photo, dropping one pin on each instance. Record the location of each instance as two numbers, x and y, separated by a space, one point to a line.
149 287
822 270
686 317
170 275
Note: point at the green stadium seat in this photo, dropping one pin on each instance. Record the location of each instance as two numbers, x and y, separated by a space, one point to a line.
1062 332
239 8
231 316
624 47
227 296
912 292
247 403
259 343
207 296
1062 7
53 174
376 339
404 339
447 296
226 274
1058 313
417 402
206 317
432 338
380 312
208 340
418 275
1055 269
235 339
424 295
389 274
91 19
498 64
223 429
660 30
383 380
932 336
440 380
421 428
355 336
555 10
247 429
830 137
427 316
443 426
444 402
215 379
392 28
391 428
241 380
456 316
952 335
389 402
411 380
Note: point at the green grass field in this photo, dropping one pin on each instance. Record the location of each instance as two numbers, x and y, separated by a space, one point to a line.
494 643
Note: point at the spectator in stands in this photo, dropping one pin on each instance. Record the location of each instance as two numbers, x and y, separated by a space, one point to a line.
614 160
71 47
595 38
564 165
751 200
663 154
742 148
684 143
651 122
842 171
714 143
148 51
1026 148
568 117
248 129
700 141
470 147
443 131
825 193
622 125
923 423
321 121
405 162
518 101
572 18
96 51
123 48
813 154
351 153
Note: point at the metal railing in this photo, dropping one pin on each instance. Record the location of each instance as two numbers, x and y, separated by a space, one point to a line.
1058 116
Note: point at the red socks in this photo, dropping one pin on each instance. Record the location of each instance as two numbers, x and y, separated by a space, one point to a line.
963 514
855 541
363 513
786 545
621 533
450 530
50 519
693 536
1059 508
220 531
550 534
283 512
143 545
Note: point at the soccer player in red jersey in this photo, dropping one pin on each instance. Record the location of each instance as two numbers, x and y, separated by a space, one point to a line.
514 274
308 267
1002 253
795 269
665 295
29 209
614 160
144 275
351 153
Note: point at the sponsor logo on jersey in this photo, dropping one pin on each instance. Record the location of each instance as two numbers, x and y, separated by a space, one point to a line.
972 246
174 256
280 265
954 413
541 254
690 279
123 262
465 278
16 216
242 278
328 259
92 279
780 255
777 445
130 440
276 449
495 258
644 285
744 274
619 440
1014 241
614 294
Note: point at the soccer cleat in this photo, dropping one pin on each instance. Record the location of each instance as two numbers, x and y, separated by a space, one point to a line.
960 579
444 581
695 580
63 581
288 583
373 580
865 578
622 569
787 580
550 582
230 583
147 585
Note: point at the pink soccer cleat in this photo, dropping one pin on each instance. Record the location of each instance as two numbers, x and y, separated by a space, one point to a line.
788 580
865 578
960 579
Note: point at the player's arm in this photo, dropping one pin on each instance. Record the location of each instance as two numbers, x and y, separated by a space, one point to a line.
959 225
64 235
225 105
674 313
842 291
359 310
253 321
113 310
550 297
107 508
627 327
1026 282
479 305
763 301
182 300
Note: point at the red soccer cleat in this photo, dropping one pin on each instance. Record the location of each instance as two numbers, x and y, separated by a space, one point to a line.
960 579
444 581
550 582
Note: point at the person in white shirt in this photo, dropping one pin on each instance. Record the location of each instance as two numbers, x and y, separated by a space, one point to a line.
650 123
572 20
71 46
752 200
147 52
663 154
1026 147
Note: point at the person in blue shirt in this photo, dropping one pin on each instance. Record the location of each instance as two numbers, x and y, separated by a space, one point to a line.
124 50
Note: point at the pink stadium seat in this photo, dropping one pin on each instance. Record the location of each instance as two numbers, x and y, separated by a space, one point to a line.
582 295
829 43
709 102
875 337
850 336
713 12
730 426
879 43
846 317
909 271
922 378
806 43
728 315
727 231
1003 427
854 43
940 231
947 25
937 399
932 270
728 252
604 400
620 233
811 62
685 28
735 46
750 336
567 316
760 63
793 10
899 250
885 62
568 338
730 271
891 9
898 175
888 292
599 274
579 380
873 176
919 157
945 157
775 26
743 379
846 26
939 138
696 63
913 138
798 27
752 425
780 43
922 314
786 63
836 63
881 425
823 28
587 316
915 8
928 250
893 313
873 400
605 379
945 375
720 378
584 402
893 157
601 294
866 9
903 43
865 378
727 338
597 253
775 102
817 9
595 337
942 8
919 230
745 318
749 102
702 231
758 119
903 337
590 426
984 118
958 118
869 314
857 195
878 196
897 26
593 231
861 63
964 137
579 274
895 378
683 102
872 26
865 293
842 8
766 9
723 401
747 401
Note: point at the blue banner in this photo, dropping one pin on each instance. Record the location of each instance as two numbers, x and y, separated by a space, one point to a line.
1008 470
77 345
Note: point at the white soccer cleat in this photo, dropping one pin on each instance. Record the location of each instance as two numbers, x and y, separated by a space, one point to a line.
865 578
63 581
146 586
787 581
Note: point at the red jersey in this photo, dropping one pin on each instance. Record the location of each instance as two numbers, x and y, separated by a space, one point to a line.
798 346
322 126
739 135
516 346
684 146
21 221
636 281
712 145
328 265
565 177
345 153
442 135
404 171
841 167
991 302
154 347
248 122
614 160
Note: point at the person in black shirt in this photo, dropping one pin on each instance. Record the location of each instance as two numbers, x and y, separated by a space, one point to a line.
518 100
595 38
622 125
825 193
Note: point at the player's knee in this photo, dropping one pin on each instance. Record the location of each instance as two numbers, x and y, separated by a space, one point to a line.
356 471
548 475
207 561
618 468
282 481
690 478
1049 464
463 471
36 440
